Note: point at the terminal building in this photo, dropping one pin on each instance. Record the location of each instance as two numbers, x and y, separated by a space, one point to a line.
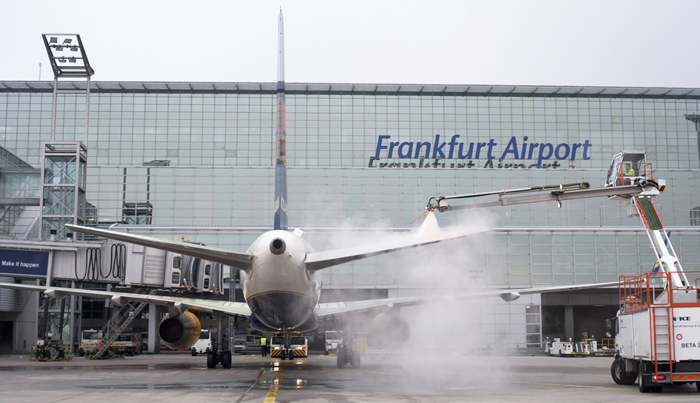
196 160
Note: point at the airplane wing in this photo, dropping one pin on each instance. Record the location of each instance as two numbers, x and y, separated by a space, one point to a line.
240 309
241 261
329 310
428 233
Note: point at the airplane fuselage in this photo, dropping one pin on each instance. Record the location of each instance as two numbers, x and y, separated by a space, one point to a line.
281 293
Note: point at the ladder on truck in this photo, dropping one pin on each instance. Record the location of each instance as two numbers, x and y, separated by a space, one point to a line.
121 320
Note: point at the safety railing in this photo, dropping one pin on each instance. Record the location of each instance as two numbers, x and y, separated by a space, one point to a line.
643 291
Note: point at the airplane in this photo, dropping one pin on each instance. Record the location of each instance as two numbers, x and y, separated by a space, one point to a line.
281 273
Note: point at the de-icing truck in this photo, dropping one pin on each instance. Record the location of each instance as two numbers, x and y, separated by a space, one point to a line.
657 340
657 328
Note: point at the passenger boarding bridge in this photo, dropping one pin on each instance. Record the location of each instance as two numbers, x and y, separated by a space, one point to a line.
91 264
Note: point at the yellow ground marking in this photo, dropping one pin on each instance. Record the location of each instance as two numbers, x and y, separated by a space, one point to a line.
272 393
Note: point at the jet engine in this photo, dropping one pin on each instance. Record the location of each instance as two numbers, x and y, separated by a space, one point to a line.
389 332
180 332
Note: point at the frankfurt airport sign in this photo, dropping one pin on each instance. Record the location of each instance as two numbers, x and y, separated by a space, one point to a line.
23 262
453 153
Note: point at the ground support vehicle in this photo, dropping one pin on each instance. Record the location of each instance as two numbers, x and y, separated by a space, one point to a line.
657 340
50 351
289 346
88 340
203 344
91 344
567 348
333 338
350 353
657 332
606 348
657 328
247 343
131 342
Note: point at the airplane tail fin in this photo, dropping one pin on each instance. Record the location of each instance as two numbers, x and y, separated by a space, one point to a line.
281 140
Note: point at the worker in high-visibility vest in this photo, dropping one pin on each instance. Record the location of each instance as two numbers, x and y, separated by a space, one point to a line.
263 346
629 173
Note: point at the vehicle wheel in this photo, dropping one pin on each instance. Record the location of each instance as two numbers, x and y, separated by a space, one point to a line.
194 352
211 360
355 359
226 359
640 378
560 354
616 371
697 385
619 375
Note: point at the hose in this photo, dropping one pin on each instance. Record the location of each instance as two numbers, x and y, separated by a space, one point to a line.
118 261
92 264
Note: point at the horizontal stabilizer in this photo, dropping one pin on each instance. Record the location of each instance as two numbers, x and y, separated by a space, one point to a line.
428 233
241 261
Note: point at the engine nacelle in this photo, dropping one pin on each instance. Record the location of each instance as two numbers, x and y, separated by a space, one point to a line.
389 332
181 332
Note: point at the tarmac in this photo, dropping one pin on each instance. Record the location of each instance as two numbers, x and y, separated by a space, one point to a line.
428 377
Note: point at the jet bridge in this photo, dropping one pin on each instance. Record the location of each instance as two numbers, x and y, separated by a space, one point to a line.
108 263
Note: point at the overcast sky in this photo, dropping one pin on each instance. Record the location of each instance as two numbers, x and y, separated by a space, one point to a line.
637 43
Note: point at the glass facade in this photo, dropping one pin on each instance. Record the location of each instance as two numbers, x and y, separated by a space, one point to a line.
202 154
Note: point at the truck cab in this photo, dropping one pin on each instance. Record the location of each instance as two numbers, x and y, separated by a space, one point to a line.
203 345
333 338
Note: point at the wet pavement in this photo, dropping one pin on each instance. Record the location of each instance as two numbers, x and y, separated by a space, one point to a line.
178 377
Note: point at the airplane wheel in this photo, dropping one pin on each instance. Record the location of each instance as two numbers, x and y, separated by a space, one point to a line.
211 360
226 359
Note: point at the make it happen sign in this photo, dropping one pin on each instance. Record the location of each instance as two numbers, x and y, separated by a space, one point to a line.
23 262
